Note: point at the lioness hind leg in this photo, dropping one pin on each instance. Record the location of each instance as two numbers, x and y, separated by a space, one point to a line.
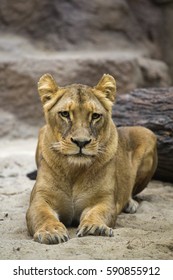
144 174
146 170
131 206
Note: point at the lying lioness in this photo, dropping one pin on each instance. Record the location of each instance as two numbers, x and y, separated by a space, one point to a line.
88 170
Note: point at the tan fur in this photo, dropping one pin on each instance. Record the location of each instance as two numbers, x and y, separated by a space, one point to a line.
88 170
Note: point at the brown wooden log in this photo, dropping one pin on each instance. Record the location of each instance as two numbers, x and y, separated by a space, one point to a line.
151 108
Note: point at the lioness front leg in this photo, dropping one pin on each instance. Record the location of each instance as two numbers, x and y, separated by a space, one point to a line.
44 225
97 220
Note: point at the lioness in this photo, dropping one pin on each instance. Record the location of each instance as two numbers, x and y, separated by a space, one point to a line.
88 170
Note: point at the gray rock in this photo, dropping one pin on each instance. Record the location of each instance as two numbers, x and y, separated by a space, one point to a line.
74 24
19 77
77 42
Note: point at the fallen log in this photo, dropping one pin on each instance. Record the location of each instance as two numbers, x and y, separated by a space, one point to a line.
151 108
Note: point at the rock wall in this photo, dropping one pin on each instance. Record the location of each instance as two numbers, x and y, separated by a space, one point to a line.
73 24
77 42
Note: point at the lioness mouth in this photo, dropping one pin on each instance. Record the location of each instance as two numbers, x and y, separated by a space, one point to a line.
80 154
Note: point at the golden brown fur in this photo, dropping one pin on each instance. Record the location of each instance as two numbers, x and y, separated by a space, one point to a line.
88 170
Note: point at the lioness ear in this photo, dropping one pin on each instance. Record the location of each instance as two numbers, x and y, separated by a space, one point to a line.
107 85
47 87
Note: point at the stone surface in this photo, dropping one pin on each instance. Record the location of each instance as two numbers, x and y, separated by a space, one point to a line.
100 25
167 39
77 42
21 68
74 24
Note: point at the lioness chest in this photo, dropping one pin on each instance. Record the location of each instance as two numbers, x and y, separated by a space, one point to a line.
87 191
73 203
80 191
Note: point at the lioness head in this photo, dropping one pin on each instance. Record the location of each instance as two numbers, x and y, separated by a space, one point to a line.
79 116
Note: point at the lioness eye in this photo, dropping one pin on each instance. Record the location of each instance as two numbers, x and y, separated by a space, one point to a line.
65 114
96 116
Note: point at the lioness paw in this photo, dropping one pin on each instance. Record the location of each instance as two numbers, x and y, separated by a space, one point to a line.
131 206
94 229
52 234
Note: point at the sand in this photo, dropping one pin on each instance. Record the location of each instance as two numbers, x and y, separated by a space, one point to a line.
147 234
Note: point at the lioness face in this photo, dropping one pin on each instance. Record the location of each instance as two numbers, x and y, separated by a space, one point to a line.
78 116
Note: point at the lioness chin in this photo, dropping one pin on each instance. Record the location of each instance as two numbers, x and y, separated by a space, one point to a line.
88 170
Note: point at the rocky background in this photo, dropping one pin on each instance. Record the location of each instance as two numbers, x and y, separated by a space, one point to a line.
77 41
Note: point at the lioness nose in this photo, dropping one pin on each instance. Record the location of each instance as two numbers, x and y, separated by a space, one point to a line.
81 143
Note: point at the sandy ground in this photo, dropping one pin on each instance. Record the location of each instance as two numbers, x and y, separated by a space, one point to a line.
148 234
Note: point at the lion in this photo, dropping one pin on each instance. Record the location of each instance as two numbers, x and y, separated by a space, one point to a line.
88 169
